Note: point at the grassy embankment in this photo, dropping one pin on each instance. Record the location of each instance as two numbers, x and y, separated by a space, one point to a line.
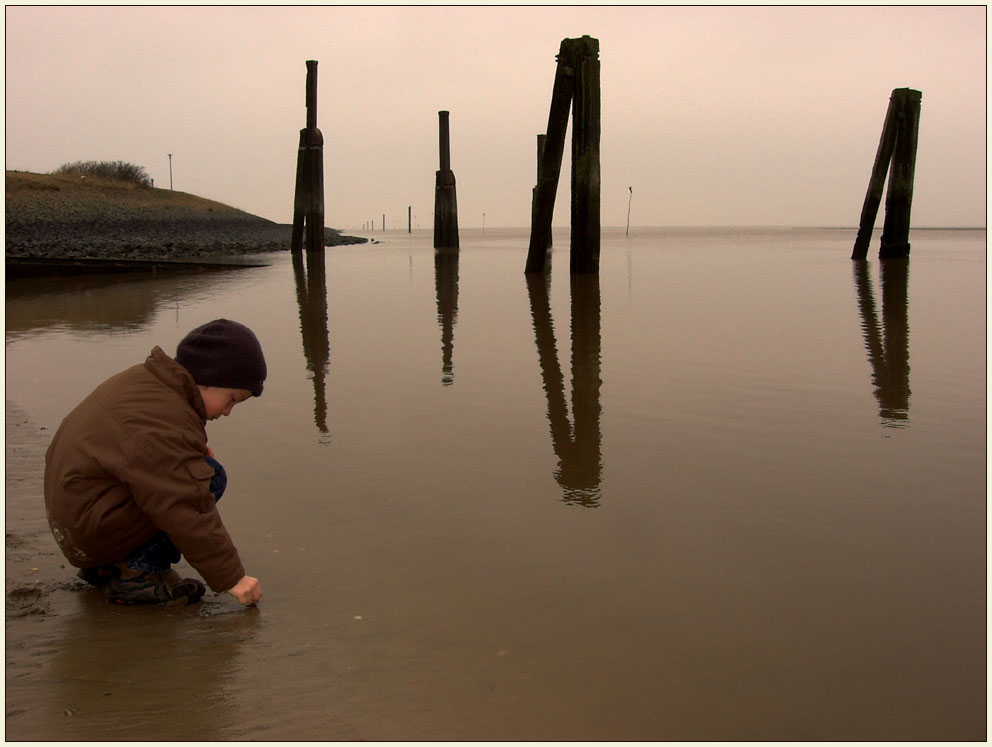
88 215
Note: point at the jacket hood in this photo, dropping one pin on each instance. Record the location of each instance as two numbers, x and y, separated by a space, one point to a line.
174 376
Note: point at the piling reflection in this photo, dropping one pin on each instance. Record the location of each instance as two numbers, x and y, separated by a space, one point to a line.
446 282
577 443
311 295
887 342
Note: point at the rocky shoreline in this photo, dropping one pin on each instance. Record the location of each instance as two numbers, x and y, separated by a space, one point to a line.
65 217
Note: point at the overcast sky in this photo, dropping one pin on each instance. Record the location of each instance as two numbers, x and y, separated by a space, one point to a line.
714 116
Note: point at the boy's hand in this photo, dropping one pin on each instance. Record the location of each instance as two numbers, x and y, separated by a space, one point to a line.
247 590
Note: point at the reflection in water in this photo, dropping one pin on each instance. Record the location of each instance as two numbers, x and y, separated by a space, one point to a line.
578 444
888 348
311 295
121 685
101 303
446 281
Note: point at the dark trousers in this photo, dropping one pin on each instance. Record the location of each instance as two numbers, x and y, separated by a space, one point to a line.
159 553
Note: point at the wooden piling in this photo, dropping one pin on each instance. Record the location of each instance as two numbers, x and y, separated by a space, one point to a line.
899 196
308 205
584 249
896 154
577 87
445 200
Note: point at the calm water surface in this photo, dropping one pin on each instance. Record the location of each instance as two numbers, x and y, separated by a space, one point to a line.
734 488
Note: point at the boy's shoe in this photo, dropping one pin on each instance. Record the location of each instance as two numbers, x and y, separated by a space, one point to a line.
155 588
98 577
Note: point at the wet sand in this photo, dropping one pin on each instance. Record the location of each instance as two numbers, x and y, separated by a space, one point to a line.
79 666
35 567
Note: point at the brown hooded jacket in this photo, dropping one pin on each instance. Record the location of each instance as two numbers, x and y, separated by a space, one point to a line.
128 462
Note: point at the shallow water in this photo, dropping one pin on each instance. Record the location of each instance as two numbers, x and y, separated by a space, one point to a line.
733 489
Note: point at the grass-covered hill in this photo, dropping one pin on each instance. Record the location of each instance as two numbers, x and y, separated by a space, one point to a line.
75 215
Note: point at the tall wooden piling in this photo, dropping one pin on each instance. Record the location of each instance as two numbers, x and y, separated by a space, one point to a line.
896 154
308 205
576 87
445 202
584 250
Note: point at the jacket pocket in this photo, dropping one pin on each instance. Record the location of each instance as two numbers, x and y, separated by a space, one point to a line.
201 472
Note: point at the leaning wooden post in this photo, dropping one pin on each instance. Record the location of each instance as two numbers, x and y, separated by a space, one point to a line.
445 202
584 247
550 166
541 141
896 155
308 206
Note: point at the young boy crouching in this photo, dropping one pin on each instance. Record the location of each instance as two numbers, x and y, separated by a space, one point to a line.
130 483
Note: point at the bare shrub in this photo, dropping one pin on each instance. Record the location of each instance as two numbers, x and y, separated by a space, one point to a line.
117 170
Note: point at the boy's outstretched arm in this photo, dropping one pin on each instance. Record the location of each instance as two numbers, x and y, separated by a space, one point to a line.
247 590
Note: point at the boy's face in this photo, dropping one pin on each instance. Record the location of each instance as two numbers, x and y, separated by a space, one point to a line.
220 401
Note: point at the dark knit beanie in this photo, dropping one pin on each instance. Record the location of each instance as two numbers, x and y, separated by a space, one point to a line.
225 354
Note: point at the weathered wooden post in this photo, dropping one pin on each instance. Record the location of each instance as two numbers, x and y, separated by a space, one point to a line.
896 154
577 87
549 168
445 202
899 196
308 206
584 250
409 218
